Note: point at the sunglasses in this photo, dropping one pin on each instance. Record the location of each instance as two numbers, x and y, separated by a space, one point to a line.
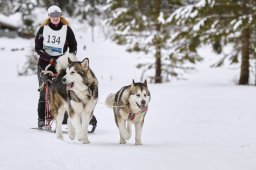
55 14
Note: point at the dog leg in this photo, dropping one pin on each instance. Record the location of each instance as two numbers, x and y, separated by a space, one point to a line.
71 130
124 135
129 130
76 122
122 140
85 122
59 120
138 129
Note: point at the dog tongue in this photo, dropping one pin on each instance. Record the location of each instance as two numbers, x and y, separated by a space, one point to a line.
144 108
69 86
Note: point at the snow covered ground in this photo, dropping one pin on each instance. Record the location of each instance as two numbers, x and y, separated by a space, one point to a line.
204 123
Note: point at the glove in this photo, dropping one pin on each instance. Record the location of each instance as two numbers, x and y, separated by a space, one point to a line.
52 62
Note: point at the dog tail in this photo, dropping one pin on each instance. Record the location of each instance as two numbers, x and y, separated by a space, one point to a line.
110 100
62 62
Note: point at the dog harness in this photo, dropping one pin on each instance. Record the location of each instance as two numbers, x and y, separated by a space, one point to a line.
72 95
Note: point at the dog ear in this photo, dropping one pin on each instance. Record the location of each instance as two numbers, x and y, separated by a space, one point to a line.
85 63
145 83
133 83
69 61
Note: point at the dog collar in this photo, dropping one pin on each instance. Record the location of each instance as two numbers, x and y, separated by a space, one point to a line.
131 115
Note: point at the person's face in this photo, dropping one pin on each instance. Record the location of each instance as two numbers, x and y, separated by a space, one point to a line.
55 20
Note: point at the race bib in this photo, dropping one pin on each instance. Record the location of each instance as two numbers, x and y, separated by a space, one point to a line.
54 40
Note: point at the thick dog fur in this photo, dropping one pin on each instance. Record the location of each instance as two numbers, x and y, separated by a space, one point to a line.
75 91
130 105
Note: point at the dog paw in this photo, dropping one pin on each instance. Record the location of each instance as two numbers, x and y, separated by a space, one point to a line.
71 137
138 143
59 137
122 142
79 137
86 141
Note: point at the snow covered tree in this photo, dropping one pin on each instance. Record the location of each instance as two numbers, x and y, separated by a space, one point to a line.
143 26
91 11
26 7
68 6
6 7
221 23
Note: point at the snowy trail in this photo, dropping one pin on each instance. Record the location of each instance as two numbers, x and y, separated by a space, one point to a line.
190 125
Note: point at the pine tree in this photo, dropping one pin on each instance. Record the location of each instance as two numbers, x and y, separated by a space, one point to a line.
144 27
26 7
222 22
6 7
91 12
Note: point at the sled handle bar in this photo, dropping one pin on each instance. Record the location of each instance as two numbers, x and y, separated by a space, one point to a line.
48 66
46 71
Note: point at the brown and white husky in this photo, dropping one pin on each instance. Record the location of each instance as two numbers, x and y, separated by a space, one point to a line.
75 91
130 105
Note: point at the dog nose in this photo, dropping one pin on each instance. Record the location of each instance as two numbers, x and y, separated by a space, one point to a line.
143 102
63 80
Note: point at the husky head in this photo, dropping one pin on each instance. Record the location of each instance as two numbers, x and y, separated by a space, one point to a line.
75 77
139 95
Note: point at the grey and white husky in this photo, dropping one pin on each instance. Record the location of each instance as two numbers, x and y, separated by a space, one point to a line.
130 105
75 91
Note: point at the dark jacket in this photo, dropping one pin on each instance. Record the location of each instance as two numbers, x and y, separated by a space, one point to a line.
44 57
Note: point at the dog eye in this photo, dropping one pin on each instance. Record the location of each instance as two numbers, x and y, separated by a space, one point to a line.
138 95
72 72
145 95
